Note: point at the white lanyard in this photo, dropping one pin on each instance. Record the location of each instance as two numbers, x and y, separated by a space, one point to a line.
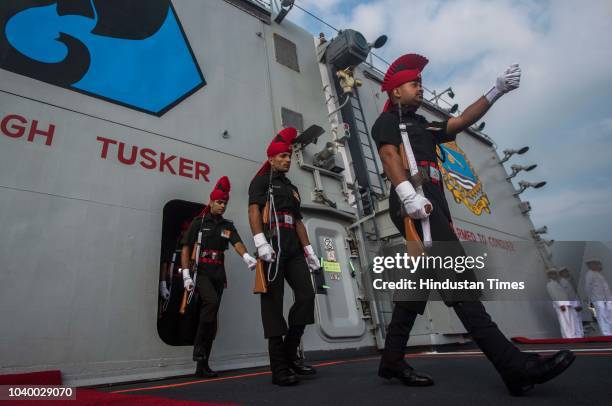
278 237
278 240
413 171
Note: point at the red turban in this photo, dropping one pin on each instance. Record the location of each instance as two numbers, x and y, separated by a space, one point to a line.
219 192
281 143
406 68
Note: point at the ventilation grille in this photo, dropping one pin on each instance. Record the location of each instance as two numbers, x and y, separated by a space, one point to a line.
290 118
286 52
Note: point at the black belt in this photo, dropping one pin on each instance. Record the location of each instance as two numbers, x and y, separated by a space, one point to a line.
285 220
215 255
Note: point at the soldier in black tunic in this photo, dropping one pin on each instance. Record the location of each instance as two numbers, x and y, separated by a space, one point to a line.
216 235
288 254
519 370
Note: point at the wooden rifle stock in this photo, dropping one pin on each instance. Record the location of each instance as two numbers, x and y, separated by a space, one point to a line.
183 302
260 277
414 245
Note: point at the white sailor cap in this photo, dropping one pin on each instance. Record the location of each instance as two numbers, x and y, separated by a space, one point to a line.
592 260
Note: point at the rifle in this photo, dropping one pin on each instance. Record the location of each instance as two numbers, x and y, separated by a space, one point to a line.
414 245
195 256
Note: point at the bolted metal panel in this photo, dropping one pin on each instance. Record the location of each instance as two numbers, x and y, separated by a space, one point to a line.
286 52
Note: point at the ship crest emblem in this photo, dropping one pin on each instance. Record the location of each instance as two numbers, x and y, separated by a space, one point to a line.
461 179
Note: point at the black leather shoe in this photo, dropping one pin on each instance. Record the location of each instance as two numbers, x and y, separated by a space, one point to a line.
538 370
204 371
284 377
407 375
299 368
199 353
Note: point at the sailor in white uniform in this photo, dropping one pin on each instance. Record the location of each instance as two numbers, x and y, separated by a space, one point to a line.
563 306
566 282
598 292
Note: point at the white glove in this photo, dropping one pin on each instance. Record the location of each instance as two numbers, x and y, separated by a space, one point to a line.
507 81
187 281
414 204
311 259
163 290
264 249
249 261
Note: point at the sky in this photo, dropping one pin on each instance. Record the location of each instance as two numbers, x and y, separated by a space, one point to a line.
562 110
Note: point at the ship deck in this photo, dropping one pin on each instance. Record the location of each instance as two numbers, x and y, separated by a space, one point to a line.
463 376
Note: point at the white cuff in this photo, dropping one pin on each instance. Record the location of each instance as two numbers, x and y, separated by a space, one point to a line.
162 285
493 94
260 239
246 256
405 190
308 250
186 273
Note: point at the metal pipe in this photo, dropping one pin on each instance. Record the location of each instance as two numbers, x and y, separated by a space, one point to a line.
348 97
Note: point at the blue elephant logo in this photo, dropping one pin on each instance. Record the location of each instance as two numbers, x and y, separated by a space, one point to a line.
129 52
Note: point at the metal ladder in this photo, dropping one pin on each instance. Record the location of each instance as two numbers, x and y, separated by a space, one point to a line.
368 187
368 240
376 183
